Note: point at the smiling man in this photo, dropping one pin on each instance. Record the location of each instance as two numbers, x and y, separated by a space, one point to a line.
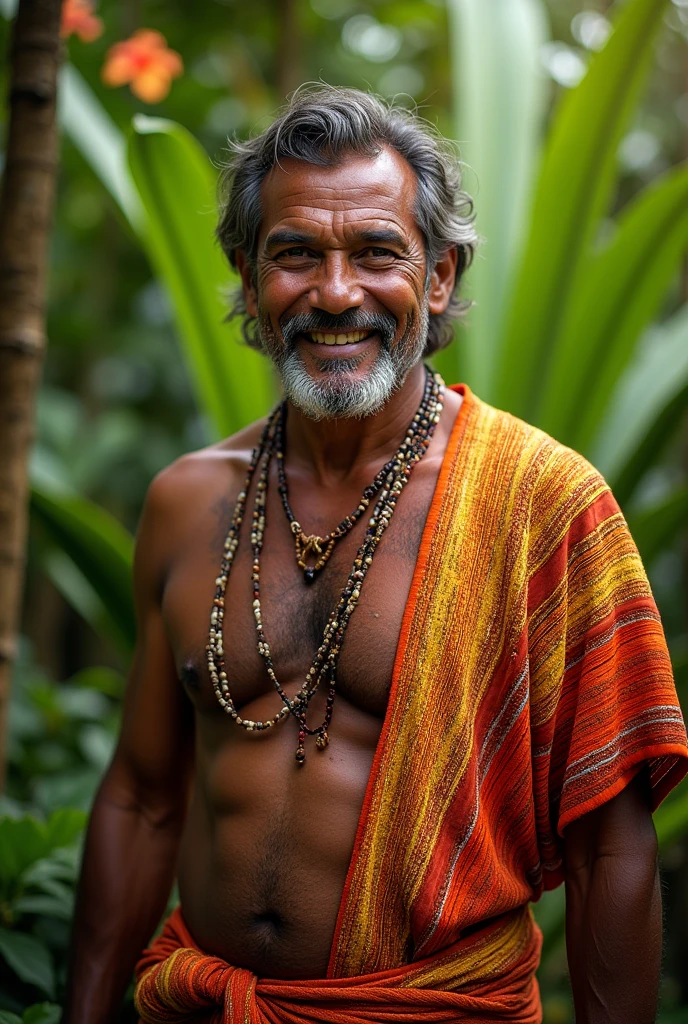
398 666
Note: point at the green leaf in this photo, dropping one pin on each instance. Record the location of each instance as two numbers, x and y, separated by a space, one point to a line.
29 959
499 97
45 906
43 1013
657 527
25 843
9 1018
63 827
84 599
620 290
100 141
22 843
646 407
574 191
177 183
100 548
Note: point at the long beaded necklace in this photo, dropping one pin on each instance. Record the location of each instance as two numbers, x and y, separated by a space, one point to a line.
323 669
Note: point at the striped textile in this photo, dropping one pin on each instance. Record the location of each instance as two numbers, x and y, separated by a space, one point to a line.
484 980
531 683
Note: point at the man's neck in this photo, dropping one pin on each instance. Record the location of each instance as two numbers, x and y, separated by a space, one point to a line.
333 451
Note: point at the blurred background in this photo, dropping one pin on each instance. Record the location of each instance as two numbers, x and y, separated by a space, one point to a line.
572 119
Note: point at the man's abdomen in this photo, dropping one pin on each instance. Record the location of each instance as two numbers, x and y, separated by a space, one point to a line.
267 843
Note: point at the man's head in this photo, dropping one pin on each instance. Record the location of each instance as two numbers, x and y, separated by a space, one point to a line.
347 223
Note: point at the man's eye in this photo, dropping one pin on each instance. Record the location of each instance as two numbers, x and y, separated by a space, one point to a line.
296 250
378 252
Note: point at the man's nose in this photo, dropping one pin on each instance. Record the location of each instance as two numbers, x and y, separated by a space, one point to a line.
337 287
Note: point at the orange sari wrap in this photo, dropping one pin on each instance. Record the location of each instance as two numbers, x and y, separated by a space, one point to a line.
531 683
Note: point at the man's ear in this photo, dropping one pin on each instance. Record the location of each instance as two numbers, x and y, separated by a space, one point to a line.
442 281
248 286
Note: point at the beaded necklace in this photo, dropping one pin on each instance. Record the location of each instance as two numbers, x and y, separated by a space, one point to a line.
313 544
323 669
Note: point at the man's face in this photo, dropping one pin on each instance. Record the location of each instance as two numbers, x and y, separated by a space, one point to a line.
340 282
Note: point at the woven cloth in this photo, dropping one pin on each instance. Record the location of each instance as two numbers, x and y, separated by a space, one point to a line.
531 683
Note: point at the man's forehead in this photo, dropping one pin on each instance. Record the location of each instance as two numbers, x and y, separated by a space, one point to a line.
355 188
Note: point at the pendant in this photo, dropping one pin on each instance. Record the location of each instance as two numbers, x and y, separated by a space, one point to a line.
309 574
322 740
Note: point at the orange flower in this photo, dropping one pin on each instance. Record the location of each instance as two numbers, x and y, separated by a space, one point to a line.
146 62
78 19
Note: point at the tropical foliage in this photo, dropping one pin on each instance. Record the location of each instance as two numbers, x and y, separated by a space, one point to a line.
577 326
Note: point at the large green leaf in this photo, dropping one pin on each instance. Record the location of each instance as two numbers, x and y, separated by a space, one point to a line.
657 527
620 291
26 842
98 545
99 140
646 407
499 98
573 192
176 183
29 959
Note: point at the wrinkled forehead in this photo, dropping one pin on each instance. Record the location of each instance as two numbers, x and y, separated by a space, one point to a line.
357 190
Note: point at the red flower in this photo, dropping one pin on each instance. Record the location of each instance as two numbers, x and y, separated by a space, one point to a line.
78 19
145 62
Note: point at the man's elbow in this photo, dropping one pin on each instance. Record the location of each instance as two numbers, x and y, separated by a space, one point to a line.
159 803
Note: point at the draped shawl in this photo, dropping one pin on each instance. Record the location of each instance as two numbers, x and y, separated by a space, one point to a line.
531 683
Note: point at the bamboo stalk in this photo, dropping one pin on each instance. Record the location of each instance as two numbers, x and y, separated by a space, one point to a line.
26 204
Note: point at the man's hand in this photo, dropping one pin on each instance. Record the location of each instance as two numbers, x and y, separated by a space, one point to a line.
614 911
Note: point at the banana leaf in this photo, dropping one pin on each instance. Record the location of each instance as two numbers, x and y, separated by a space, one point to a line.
176 183
500 94
99 140
657 527
574 191
619 293
648 403
100 548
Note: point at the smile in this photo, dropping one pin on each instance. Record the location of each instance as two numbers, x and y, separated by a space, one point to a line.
351 338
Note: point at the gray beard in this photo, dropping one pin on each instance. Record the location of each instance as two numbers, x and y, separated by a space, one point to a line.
342 395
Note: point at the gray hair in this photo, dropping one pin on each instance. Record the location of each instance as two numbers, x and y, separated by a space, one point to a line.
321 124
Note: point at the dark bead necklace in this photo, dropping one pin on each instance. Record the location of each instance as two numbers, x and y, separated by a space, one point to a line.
312 544
323 669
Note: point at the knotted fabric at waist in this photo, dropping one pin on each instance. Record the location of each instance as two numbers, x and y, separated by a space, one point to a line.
487 977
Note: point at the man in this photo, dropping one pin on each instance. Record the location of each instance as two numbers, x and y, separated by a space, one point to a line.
398 666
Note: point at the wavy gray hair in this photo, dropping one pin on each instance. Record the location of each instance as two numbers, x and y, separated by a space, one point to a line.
321 124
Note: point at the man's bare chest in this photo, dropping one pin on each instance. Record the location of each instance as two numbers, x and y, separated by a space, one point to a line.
294 613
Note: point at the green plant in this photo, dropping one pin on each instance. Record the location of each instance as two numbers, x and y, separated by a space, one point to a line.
38 865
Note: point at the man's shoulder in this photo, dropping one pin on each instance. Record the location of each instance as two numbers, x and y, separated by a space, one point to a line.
221 465
545 462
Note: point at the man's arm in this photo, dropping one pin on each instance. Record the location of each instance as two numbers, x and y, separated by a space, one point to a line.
137 818
614 911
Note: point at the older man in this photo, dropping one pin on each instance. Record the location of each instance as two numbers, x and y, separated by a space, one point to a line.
398 666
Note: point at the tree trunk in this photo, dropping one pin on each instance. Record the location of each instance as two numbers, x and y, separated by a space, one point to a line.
26 203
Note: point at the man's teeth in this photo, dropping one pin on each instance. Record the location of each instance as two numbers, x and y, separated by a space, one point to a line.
337 339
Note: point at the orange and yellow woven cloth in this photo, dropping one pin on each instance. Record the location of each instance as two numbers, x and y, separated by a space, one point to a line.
531 683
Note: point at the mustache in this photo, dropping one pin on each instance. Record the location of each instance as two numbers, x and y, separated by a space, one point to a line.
352 320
